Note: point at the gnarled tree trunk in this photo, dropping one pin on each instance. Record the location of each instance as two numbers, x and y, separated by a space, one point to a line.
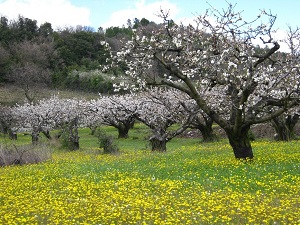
46 133
206 131
124 127
158 144
240 143
123 131
285 127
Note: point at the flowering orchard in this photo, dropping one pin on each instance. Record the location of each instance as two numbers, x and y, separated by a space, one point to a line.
218 64
157 108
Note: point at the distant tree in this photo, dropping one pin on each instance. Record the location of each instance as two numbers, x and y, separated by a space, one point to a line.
74 47
5 32
30 65
136 23
163 112
50 113
45 30
118 32
144 22
129 24
7 122
118 111
24 28
4 62
285 124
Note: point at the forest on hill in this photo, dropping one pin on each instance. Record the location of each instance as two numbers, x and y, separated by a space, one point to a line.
33 55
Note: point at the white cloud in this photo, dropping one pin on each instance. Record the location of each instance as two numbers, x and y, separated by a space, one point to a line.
142 10
58 12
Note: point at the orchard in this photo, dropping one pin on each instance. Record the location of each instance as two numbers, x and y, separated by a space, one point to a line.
218 64
185 76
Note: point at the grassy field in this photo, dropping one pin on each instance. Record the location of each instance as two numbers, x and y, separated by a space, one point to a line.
11 94
192 183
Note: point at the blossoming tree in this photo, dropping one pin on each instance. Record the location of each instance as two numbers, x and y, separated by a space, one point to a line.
36 118
116 110
160 109
218 64
51 113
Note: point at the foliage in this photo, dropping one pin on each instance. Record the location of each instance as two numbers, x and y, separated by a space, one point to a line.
106 142
76 46
90 81
117 31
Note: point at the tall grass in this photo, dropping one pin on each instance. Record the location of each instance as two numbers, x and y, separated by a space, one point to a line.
191 183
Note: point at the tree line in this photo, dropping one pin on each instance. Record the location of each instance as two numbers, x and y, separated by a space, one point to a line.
69 57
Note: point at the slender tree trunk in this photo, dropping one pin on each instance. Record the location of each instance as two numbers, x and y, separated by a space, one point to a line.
158 144
73 134
240 143
93 129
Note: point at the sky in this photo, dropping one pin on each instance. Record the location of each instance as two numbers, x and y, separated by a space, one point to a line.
106 13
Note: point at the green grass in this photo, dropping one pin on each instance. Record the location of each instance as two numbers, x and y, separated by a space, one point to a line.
192 183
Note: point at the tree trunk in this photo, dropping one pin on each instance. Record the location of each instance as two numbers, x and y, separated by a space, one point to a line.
204 125
47 134
34 137
12 134
93 129
285 127
73 134
207 133
124 127
157 144
123 131
74 145
240 143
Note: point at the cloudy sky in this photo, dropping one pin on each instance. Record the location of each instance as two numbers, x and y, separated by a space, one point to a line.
105 13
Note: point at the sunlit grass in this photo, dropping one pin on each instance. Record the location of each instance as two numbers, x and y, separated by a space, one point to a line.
191 183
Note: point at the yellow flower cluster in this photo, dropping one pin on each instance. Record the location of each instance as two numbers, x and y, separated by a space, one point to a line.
199 185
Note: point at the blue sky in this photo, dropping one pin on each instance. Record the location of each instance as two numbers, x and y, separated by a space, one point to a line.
107 13
102 10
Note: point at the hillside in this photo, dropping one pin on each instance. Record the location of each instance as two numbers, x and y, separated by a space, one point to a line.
11 94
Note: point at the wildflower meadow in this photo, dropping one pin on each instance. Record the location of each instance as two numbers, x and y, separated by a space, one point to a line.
192 183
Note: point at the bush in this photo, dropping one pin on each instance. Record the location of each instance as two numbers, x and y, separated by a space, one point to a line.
107 143
24 154
94 81
68 137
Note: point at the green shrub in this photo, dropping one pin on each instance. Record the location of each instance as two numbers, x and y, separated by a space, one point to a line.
94 81
106 142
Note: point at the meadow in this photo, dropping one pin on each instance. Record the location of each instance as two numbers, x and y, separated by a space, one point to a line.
192 183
